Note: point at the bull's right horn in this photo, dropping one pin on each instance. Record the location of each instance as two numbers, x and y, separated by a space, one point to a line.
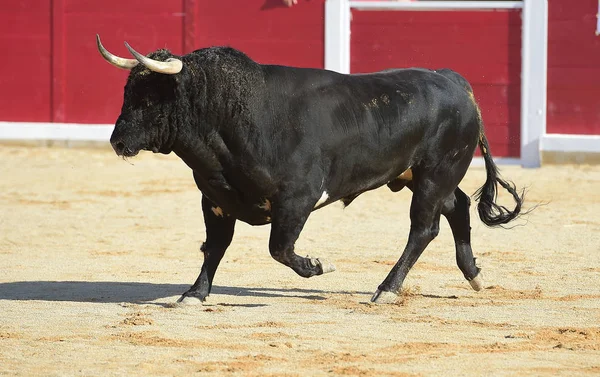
113 59
170 67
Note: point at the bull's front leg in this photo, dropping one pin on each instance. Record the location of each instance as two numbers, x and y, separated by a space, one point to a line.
288 218
219 233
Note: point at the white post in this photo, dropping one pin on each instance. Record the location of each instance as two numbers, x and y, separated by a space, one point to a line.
435 5
337 36
533 80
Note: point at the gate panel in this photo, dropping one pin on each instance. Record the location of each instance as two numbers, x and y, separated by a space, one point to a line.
483 46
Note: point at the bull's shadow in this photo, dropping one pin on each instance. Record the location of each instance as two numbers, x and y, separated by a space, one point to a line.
133 292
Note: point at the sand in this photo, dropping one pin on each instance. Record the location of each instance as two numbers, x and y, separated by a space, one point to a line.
94 251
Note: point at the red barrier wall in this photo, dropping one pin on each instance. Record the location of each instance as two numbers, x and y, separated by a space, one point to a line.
26 74
484 47
267 31
573 68
52 71
87 89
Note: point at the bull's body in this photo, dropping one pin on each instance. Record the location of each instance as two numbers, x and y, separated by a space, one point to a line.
322 134
270 144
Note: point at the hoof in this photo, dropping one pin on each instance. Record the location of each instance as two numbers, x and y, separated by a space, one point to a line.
477 282
384 297
185 300
326 266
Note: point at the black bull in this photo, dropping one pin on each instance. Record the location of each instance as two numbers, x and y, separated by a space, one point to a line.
271 144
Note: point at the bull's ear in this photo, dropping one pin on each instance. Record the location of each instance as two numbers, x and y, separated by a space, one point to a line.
170 67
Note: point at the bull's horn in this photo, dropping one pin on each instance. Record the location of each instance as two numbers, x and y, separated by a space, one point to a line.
170 67
113 59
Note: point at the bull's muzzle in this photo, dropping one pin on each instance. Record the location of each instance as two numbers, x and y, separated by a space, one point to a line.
122 149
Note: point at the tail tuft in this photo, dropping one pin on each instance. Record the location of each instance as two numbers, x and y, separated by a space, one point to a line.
491 213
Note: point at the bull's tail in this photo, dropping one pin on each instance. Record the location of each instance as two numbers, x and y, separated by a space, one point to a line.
491 213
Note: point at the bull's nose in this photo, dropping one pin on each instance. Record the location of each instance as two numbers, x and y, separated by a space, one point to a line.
119 147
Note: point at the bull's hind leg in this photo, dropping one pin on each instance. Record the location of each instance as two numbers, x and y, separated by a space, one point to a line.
219 233
431 189
456 211
288 219
425 210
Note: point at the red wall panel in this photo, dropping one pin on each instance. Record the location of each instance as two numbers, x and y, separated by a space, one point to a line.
485 47
25 77
55 73
266 30
86 89
92 89
573 68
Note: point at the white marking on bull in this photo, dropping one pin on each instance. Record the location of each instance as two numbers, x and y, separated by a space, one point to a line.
217 211
266 205
323 199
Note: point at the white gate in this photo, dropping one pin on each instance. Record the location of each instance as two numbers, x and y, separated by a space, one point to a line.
533 64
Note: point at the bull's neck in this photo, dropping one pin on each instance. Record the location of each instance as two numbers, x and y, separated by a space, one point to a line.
223 97
196 154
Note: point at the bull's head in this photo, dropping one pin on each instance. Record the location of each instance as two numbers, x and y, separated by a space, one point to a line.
149 101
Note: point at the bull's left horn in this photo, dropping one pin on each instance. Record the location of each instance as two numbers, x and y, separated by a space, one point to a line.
170 67
113 59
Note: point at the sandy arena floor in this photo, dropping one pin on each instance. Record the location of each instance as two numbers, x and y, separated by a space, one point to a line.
94 251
